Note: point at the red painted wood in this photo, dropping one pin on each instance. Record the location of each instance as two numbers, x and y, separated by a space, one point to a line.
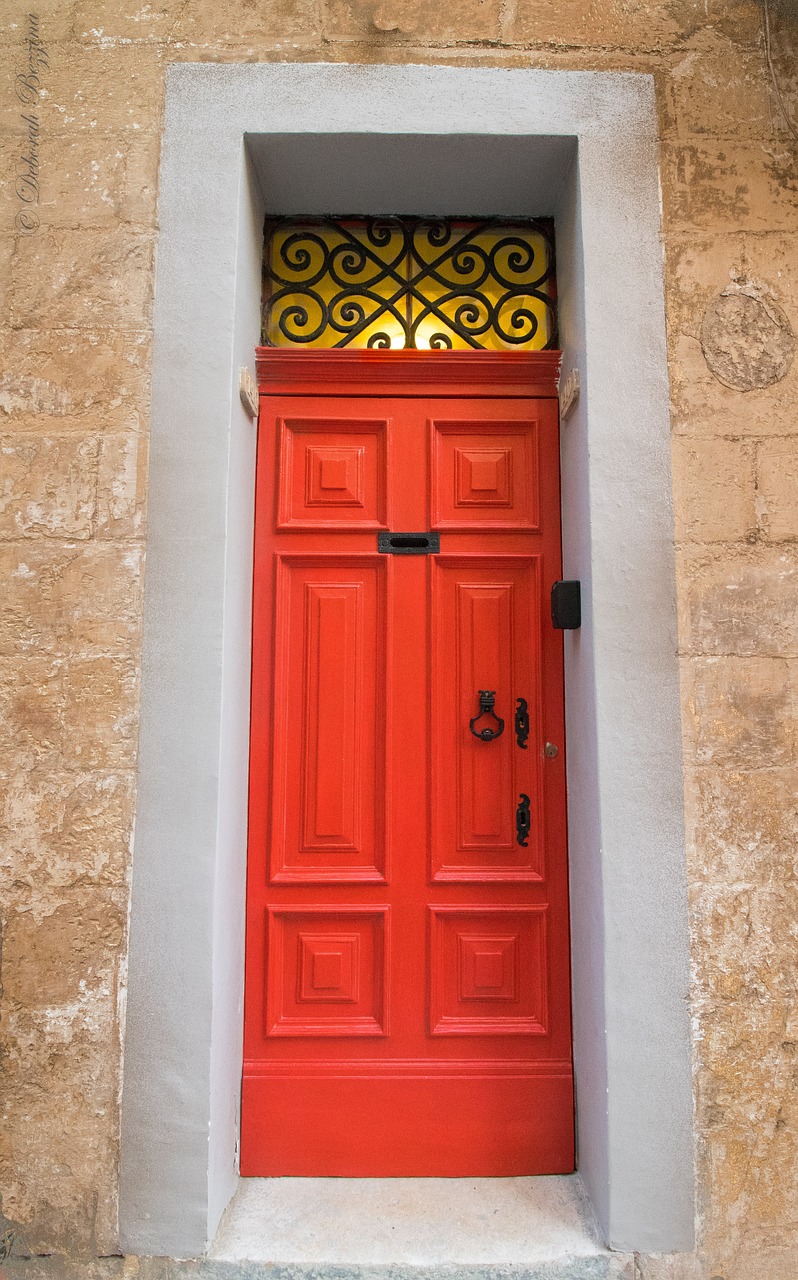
409 373
407 995
329 1119
484 616
327 786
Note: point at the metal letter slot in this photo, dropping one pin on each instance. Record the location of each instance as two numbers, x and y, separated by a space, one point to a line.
409 544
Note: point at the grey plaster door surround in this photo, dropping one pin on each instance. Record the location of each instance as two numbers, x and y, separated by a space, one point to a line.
295 138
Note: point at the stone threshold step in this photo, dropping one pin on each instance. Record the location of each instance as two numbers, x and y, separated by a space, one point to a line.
611 1267
615 1266
391 1228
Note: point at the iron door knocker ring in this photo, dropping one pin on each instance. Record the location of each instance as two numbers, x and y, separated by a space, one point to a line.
486 700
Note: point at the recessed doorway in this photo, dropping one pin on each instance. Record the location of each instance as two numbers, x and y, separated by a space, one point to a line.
582 148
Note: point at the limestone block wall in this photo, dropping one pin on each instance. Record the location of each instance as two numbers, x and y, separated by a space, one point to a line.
80 132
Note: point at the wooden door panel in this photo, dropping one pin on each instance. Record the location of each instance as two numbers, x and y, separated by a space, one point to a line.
333 472
411 1119
485 473
328 805
327 971
485 619
488 971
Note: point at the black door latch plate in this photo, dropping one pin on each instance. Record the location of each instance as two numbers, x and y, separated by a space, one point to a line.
566 605
523 820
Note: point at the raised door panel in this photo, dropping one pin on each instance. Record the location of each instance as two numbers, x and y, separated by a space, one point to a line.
333 473
485 620
328 798
326 971
485 474
488 971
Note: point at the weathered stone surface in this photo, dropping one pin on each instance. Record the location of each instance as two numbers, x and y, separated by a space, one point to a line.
743 823
121 486
59 598
245 22
632 25
777 488
48 1189
26 69
48 486
784 60
122 20
717 87
458 20
747 341
105 87
714 186
67 716
395 49
83 279
19 181
7 244
63 379
741 713
100 713
31 714
64 830
55 21
699 267
746 1085
715 478
670 1266
735 602
94 179
28 95
60 1014
702 406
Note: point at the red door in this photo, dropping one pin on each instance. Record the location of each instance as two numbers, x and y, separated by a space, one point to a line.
407 1001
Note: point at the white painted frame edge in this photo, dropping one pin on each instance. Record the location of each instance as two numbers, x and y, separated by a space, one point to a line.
632 1046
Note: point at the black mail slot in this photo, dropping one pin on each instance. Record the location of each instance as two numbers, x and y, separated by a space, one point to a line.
409 544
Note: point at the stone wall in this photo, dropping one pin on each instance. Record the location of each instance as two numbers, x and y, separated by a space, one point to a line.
80 125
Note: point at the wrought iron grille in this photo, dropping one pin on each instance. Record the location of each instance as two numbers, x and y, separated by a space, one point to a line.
409 282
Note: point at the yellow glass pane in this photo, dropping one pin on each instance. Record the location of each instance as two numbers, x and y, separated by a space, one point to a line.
327 283
478 281
399 282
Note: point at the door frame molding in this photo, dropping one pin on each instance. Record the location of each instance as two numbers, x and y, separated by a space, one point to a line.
283 371
583 147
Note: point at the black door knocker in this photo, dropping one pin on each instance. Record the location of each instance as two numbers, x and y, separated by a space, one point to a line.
487 698
523 820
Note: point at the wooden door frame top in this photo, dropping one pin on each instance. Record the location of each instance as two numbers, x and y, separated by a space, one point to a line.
408 372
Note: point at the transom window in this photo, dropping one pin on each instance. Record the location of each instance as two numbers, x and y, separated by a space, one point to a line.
428 283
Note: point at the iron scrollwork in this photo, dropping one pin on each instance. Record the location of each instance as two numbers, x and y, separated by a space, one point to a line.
409 282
